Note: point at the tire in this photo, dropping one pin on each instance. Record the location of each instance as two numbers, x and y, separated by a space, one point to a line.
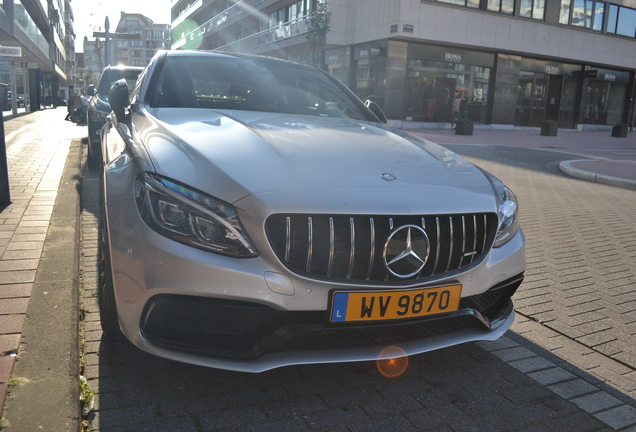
105 291
93 160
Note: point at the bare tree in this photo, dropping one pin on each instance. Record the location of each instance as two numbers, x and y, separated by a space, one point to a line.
317 29
97 49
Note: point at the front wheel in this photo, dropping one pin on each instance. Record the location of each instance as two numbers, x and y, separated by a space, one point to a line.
92 159
105 291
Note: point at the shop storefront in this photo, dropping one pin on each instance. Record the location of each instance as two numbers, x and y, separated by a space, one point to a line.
547 91
417 82
604 96
436 75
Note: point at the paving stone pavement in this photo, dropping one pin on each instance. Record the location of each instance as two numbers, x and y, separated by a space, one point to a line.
581 249
36 159
553 371
542 375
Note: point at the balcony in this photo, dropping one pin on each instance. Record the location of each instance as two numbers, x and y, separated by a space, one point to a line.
261 39
248 44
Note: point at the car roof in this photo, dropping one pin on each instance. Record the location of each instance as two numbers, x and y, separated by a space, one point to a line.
123 67
203 53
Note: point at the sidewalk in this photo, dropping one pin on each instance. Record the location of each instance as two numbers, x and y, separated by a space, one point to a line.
40 144
596 155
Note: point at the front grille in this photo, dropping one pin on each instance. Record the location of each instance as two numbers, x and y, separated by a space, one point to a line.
351 247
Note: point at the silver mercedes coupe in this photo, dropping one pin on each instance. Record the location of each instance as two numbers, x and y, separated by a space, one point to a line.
257 214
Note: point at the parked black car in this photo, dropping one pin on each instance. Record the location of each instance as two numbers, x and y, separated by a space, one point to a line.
98 107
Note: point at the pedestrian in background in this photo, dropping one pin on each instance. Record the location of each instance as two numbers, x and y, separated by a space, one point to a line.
455 110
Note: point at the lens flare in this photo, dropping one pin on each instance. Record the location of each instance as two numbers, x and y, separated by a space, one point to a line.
392 362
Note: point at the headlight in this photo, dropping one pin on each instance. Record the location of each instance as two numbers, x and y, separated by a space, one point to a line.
190 217
507 209
101 110
99 115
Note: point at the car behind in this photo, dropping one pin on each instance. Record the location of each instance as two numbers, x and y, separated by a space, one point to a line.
98 107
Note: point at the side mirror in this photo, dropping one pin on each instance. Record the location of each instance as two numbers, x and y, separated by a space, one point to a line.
91 90
118 99
375 109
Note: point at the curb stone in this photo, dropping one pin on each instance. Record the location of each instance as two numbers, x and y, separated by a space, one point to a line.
567 168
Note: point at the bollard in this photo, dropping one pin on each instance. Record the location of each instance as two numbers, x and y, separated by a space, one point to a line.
5 194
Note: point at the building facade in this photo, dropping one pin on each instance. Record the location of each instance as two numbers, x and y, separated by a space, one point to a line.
34 36
152 38
517 62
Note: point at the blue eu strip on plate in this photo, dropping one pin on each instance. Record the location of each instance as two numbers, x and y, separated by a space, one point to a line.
339 310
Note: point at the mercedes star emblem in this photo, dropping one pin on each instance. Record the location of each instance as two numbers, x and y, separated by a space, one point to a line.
406 251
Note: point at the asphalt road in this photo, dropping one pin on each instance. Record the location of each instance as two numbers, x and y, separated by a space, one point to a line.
567 364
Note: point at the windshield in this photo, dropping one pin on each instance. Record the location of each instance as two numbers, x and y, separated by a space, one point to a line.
252 85
111 76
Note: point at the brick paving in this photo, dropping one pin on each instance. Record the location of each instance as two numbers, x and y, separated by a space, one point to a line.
534 378
36 159
565 365
581 251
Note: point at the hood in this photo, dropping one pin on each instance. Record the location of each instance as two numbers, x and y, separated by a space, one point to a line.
231 155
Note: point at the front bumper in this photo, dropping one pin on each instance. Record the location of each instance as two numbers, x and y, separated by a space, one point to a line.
248 331
197 307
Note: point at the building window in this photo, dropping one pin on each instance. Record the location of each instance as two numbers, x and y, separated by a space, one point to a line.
136 53
131 22
506 7
621 21
583 13
468 3
534 9
434 85
154 34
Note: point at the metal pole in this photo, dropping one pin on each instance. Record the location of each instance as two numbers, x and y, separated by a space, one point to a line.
14 88
107 42
5 195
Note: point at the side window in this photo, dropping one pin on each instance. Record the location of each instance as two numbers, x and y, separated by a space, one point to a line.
135 91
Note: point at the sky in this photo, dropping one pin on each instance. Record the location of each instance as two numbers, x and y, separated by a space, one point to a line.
89 15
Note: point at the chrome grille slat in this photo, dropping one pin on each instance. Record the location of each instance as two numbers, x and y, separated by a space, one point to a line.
451 242
485 230
474 238
310 241
439 244
332 247
350 248
353 246
288 241
461 260
372 247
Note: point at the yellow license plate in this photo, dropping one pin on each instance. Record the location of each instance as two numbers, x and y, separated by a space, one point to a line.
388 305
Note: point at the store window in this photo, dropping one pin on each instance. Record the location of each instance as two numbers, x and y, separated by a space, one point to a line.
432 86
369 71
604 102
546 91
534 9
621 21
